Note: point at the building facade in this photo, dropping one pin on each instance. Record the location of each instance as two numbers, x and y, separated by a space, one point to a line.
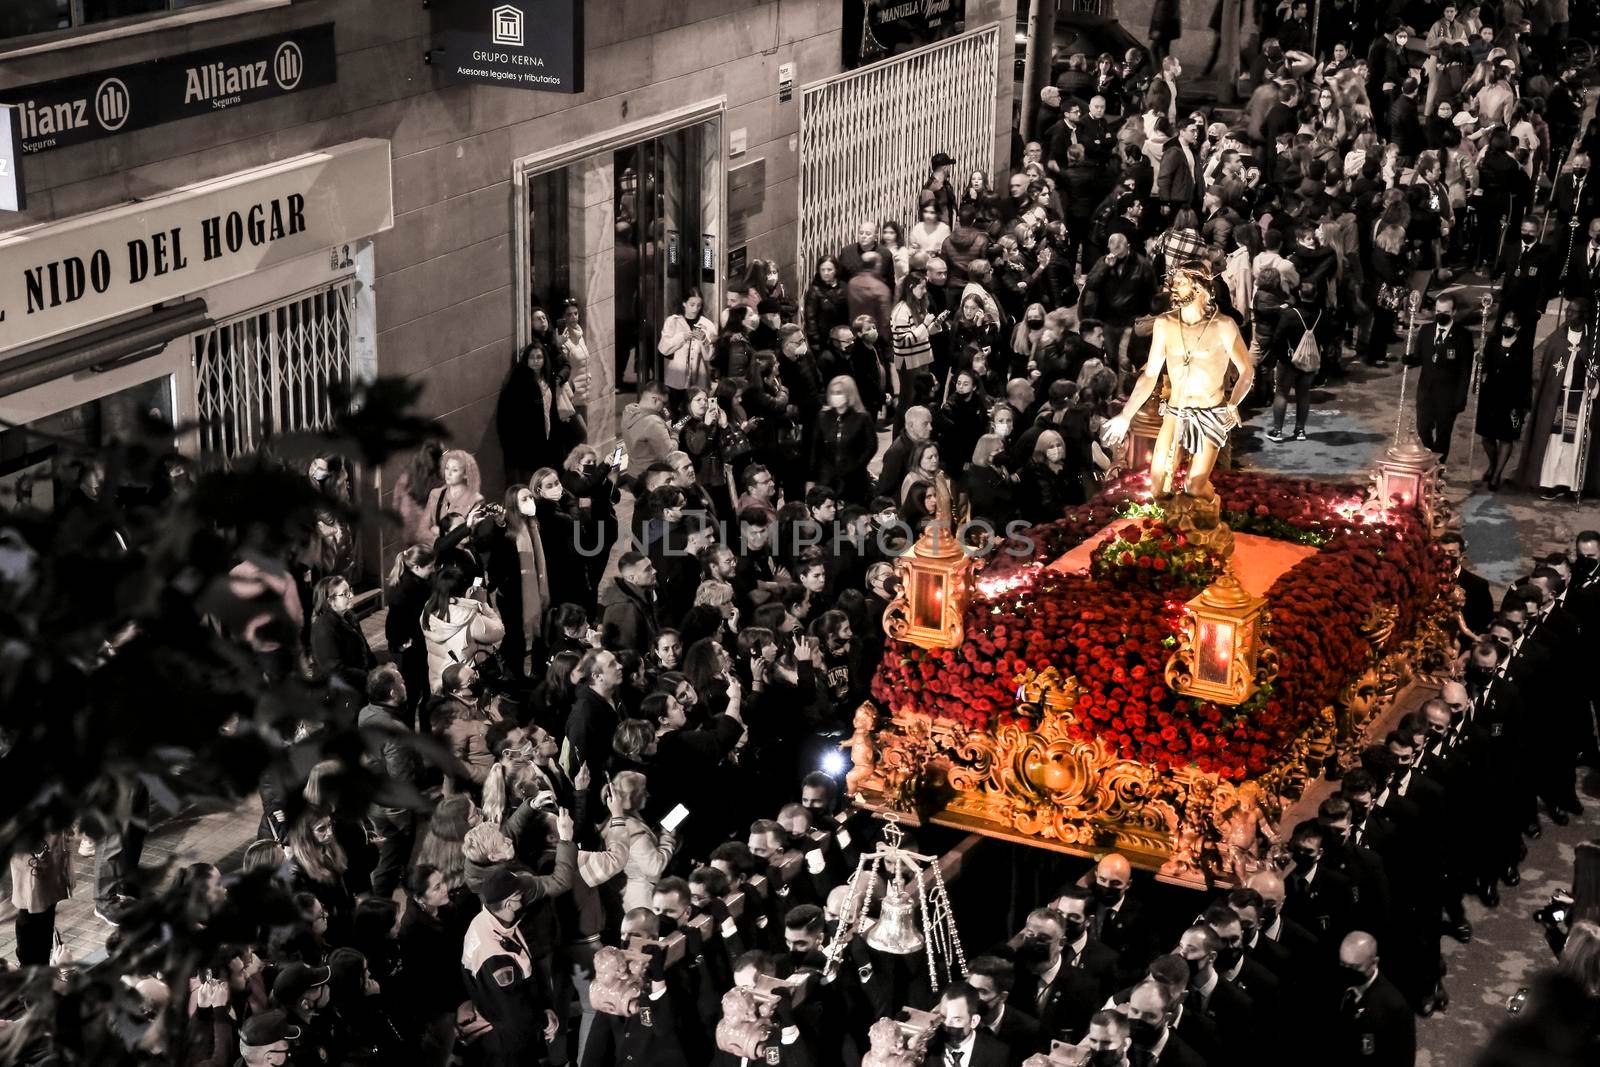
235 208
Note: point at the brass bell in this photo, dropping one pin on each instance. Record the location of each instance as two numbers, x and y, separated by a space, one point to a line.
896 931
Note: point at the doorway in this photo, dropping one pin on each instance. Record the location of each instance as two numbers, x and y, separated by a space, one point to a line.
40 459
615 238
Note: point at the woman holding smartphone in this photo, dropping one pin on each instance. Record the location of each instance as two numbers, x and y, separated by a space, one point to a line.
593 486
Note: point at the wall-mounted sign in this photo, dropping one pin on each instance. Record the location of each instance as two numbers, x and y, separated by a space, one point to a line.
94 267
13 197
108 102
530 44
785 81
878 29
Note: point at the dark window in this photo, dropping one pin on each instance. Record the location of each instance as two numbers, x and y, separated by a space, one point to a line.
20 18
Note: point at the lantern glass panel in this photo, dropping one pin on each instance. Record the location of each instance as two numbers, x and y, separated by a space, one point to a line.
1405 487
927 600
1214 655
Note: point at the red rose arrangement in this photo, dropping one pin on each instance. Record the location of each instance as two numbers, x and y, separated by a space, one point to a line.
1115 637
1147 552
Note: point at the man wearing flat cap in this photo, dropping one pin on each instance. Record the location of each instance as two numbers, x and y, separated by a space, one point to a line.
264 1039
301 992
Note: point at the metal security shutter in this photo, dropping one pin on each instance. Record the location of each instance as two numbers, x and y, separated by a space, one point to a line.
866 137
273 369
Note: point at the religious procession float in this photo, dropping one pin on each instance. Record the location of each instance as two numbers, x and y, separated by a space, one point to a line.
1165 669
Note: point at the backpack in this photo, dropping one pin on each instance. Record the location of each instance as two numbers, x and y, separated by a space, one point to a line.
1307 356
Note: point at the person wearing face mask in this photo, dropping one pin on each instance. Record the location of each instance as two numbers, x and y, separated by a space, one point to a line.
1506 391
1043 973
1089 969
1106 1040
1212 995
1025 338
1049 483
844 440
867 359
551 517
1586 568
1525 271
1117 919
1297 945
962 418
1444 351
1577 195
961 1040
1371 1024
1263 953
993 978
1153 1040
1233 965
505 985
1316 896
514 565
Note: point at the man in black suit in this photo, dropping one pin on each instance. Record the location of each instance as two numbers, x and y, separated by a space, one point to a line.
1444 353
1479 608
1213 995
1528 272
1149 1010
1299 944
1317 896
1373 1024
1369 882
1090 967
1117 919
1246 904
1049 982
1249 976
960 1040
994 978
1581 274
1197 1029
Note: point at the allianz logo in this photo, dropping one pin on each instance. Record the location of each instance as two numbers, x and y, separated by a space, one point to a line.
109 107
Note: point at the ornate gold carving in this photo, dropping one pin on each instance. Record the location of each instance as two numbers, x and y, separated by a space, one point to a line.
1201 522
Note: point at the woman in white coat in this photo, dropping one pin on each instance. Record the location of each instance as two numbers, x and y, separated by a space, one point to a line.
648 852
457 623
686 342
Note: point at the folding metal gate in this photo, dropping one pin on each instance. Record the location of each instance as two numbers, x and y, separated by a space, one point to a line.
866 137
273 369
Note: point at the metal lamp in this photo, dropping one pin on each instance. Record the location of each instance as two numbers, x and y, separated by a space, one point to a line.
1220 655
935 581
1405 477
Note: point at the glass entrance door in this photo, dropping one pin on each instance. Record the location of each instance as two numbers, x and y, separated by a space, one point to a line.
662 224
40 461
617 239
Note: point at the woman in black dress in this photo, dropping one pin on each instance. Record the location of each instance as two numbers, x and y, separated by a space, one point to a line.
1505 393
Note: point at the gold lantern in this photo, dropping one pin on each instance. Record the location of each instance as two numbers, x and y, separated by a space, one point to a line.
1220 655
1405 477
935 581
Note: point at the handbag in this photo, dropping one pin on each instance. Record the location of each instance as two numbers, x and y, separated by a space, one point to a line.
790 438
565 408
485 628
735 443
1307 355
1391 297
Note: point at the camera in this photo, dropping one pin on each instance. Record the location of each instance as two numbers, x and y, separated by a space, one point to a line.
748 1016
620 974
